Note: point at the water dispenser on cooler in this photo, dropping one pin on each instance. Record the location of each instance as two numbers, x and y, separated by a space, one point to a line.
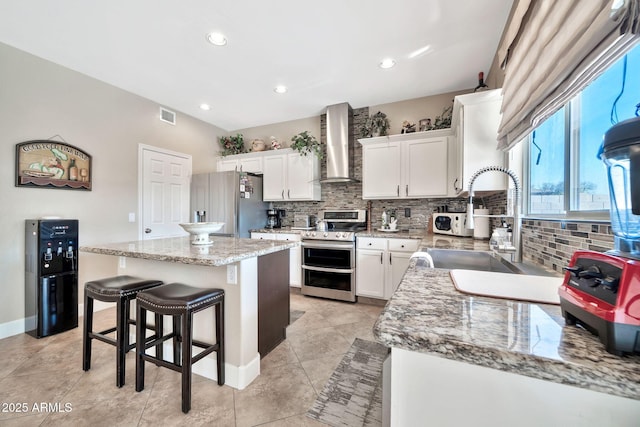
51 276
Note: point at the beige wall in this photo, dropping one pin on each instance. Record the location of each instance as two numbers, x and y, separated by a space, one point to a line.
412 110
38 100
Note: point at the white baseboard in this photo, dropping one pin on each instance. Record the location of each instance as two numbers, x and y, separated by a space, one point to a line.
16 327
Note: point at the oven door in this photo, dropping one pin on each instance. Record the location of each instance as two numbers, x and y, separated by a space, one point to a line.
328 270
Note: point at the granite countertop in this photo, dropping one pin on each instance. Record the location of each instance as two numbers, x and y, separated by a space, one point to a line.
427 314
223 251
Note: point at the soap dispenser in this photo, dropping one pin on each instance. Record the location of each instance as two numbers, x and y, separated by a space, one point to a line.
384 219
494 242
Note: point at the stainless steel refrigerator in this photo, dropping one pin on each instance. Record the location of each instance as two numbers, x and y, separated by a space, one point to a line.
234 198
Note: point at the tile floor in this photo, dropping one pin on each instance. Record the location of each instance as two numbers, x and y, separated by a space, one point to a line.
49 372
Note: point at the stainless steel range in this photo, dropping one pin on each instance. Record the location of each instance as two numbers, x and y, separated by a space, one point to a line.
329 254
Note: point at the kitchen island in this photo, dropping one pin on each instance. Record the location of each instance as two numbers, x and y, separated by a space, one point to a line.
253 273
459 359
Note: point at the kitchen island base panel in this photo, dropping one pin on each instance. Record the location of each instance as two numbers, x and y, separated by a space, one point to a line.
273 300
242 360
446 392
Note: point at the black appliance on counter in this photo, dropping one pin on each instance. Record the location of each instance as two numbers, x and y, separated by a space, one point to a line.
274 218
51 276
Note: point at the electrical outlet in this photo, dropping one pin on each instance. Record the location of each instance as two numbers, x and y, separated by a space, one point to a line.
407 212
132 217
122 262
232 274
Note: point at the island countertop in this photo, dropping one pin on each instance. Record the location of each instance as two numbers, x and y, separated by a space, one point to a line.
223 251
427 314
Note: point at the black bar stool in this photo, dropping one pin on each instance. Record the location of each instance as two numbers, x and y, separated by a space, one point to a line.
121 290
181 302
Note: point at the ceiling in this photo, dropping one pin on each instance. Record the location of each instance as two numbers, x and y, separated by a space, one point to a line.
325 52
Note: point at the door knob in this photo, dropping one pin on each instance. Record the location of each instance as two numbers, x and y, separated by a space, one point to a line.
147 230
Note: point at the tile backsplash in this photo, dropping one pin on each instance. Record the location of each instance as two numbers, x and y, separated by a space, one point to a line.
551 243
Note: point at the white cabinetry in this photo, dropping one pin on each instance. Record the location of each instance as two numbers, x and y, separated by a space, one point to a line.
405 166
381 264
370 267
295 254
291 176
251 162
475 121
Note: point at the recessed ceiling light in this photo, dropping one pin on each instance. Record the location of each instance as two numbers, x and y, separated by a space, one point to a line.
205 107
280 89
217 39
387 63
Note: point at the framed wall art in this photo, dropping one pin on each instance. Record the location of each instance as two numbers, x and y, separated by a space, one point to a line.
51 164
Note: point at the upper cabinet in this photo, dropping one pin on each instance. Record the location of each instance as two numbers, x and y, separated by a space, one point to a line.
291 176
475 121
413 165
250 162
287 175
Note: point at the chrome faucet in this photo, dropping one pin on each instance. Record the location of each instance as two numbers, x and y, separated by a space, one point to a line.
516 203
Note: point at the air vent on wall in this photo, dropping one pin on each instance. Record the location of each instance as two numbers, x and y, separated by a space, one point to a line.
167 116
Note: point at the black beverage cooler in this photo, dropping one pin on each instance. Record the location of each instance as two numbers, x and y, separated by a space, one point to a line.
51 276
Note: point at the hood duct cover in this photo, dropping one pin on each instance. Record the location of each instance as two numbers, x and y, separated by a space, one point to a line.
340 145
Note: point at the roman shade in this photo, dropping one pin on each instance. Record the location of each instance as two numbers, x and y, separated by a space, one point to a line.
551 50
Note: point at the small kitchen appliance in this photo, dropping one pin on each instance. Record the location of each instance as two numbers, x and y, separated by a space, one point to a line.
274 218
303 222
601 291
451 223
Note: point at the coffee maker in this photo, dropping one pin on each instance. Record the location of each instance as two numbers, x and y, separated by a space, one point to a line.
274 218
601 291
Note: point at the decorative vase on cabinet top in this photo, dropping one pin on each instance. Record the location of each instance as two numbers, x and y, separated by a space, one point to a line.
257 145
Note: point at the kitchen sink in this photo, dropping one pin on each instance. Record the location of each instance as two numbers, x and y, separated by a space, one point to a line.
470 260
485 274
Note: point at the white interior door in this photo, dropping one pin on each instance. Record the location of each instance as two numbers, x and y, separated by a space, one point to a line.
164 193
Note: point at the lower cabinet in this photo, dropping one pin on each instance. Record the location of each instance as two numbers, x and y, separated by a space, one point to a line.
380 265
295 254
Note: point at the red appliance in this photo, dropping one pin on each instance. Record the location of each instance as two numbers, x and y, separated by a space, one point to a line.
601 292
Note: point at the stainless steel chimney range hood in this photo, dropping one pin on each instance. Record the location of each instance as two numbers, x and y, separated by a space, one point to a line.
340 144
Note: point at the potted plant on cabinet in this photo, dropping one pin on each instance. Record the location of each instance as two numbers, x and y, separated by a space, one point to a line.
232 145
442 121
306 143
376 125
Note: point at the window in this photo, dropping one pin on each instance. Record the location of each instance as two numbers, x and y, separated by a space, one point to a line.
566 177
